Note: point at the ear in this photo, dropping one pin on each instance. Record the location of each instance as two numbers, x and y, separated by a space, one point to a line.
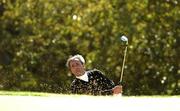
70 71
69 68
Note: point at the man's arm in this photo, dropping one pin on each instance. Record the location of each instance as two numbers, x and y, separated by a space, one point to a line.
108 86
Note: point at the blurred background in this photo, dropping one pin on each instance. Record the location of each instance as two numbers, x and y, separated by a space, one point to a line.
38 36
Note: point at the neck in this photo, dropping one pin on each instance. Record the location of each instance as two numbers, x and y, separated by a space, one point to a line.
81 74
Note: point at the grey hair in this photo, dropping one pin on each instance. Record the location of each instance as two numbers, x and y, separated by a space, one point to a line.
78 57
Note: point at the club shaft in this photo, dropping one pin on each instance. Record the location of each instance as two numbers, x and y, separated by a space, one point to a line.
122 69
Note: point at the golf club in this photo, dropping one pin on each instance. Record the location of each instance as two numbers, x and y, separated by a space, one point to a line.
124 39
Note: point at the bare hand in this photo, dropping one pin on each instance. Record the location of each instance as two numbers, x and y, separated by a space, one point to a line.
117 89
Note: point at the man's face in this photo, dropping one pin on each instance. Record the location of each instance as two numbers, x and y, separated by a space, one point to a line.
76 67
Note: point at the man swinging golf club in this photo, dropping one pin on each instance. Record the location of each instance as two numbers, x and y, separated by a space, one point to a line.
91 82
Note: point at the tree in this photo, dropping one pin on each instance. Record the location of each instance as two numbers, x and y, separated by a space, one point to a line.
38 36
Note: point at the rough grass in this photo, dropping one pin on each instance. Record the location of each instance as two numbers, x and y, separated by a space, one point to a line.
20 93
33 101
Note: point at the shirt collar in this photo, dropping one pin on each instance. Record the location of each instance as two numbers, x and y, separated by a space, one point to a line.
84 77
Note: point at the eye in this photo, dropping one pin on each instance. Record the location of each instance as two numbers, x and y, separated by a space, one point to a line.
77 64
72 65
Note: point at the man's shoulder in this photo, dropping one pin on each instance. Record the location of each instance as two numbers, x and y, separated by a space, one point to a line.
94 72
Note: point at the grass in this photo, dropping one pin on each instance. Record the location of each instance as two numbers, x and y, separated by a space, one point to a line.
35 101
26 93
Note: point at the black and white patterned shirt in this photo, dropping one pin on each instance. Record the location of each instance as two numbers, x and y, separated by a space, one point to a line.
97 84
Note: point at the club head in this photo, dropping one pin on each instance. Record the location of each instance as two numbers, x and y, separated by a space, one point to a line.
124 38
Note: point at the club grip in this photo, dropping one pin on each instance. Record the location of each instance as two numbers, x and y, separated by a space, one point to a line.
120 83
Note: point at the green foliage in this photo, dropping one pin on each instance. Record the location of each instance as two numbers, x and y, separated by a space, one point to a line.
37 37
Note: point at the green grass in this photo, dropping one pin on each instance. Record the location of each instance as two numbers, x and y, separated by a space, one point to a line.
26 93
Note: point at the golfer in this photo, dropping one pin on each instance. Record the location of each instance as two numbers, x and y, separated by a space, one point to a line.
91 82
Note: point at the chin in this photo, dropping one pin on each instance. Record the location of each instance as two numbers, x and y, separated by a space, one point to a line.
79 74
